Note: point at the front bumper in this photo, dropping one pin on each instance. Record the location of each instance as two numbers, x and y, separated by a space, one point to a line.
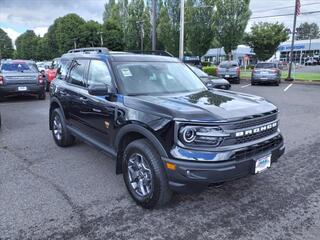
191 176
13 89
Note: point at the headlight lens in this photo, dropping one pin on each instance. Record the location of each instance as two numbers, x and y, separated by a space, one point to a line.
199 135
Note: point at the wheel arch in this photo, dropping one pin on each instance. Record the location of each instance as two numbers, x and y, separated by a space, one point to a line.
54 103
130 133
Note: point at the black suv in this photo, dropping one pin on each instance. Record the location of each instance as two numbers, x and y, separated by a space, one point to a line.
165 129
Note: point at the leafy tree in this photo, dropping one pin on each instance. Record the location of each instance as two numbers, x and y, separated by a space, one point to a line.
42 49
199 20
168 26
27 45
112 35
136 24
265 38
6 48
230 21
307 30
89 34
67 31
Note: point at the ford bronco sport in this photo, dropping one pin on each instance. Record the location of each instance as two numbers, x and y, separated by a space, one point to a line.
165 129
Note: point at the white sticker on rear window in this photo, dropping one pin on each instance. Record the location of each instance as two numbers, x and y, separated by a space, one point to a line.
126 72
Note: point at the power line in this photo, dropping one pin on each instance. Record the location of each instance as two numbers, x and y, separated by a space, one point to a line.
273 9
284 15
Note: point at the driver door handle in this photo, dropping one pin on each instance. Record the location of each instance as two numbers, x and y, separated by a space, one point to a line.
84 99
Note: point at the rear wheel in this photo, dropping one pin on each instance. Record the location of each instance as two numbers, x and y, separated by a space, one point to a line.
60 133
237 80
42 96
144 175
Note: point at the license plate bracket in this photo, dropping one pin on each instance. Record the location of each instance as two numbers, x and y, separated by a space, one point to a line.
23 88
262 164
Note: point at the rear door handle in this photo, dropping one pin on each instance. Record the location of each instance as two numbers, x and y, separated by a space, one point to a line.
84 99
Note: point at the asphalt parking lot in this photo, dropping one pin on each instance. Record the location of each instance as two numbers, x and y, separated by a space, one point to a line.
47 192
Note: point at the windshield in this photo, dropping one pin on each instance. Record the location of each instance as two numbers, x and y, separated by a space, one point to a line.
228 65
266 65
141 78
198 72
17 67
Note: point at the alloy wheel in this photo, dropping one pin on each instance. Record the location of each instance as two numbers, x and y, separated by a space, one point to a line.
140 175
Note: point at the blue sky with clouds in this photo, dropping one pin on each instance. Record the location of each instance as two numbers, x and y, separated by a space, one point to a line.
16 16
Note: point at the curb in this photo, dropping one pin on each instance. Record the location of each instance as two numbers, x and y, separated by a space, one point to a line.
306 82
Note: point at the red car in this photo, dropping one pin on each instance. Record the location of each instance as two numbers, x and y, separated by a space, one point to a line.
51 72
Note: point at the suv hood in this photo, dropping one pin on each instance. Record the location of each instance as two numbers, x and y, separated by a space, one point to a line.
216 105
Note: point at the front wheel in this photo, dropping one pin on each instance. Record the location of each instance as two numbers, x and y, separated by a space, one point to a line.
60 133
144 175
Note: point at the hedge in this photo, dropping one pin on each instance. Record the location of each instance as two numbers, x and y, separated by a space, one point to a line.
211 70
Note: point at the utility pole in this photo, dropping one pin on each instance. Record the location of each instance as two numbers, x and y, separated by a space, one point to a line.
296 12
142 33
75 42
101 38
181 40
154 22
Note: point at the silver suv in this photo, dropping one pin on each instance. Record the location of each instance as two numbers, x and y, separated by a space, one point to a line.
229 70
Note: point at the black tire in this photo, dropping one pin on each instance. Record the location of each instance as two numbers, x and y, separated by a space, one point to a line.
253 83
47 86
42 96
237 81
160 193
65 139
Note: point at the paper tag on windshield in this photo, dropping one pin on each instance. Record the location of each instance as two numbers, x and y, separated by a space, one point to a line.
126 72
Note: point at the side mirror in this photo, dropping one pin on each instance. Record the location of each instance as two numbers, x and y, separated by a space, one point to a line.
98 90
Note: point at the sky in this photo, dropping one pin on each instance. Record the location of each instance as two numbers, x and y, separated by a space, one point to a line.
17 16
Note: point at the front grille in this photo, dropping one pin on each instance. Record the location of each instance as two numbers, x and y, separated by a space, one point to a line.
258 148
255 121
256 136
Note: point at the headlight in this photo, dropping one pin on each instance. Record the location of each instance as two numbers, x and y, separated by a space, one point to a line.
199 135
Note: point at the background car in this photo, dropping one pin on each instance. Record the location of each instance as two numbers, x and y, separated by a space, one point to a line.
266 72
21 77
229 70
51 72
211 81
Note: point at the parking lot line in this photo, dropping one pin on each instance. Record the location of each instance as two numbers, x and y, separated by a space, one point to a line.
287 87
246 86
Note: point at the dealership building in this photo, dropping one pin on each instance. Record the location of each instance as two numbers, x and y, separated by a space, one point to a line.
302 50
241 54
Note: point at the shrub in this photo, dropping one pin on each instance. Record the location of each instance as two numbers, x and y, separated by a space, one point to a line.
211 70
205 64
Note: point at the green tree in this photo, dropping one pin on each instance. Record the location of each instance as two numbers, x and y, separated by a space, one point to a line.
42 49
230 22
112 35
27 45
265 38
168 27
307 31
199 19
6 48
89 34
67 31
136 24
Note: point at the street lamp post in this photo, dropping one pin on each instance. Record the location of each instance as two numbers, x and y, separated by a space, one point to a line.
101 38
181 39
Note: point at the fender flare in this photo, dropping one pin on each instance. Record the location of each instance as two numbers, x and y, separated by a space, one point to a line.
55 100
135 128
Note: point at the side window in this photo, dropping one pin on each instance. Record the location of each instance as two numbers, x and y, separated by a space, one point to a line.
99 73
63 69
77 71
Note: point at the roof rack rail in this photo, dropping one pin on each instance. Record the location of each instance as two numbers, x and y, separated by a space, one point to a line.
90 49
153 52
